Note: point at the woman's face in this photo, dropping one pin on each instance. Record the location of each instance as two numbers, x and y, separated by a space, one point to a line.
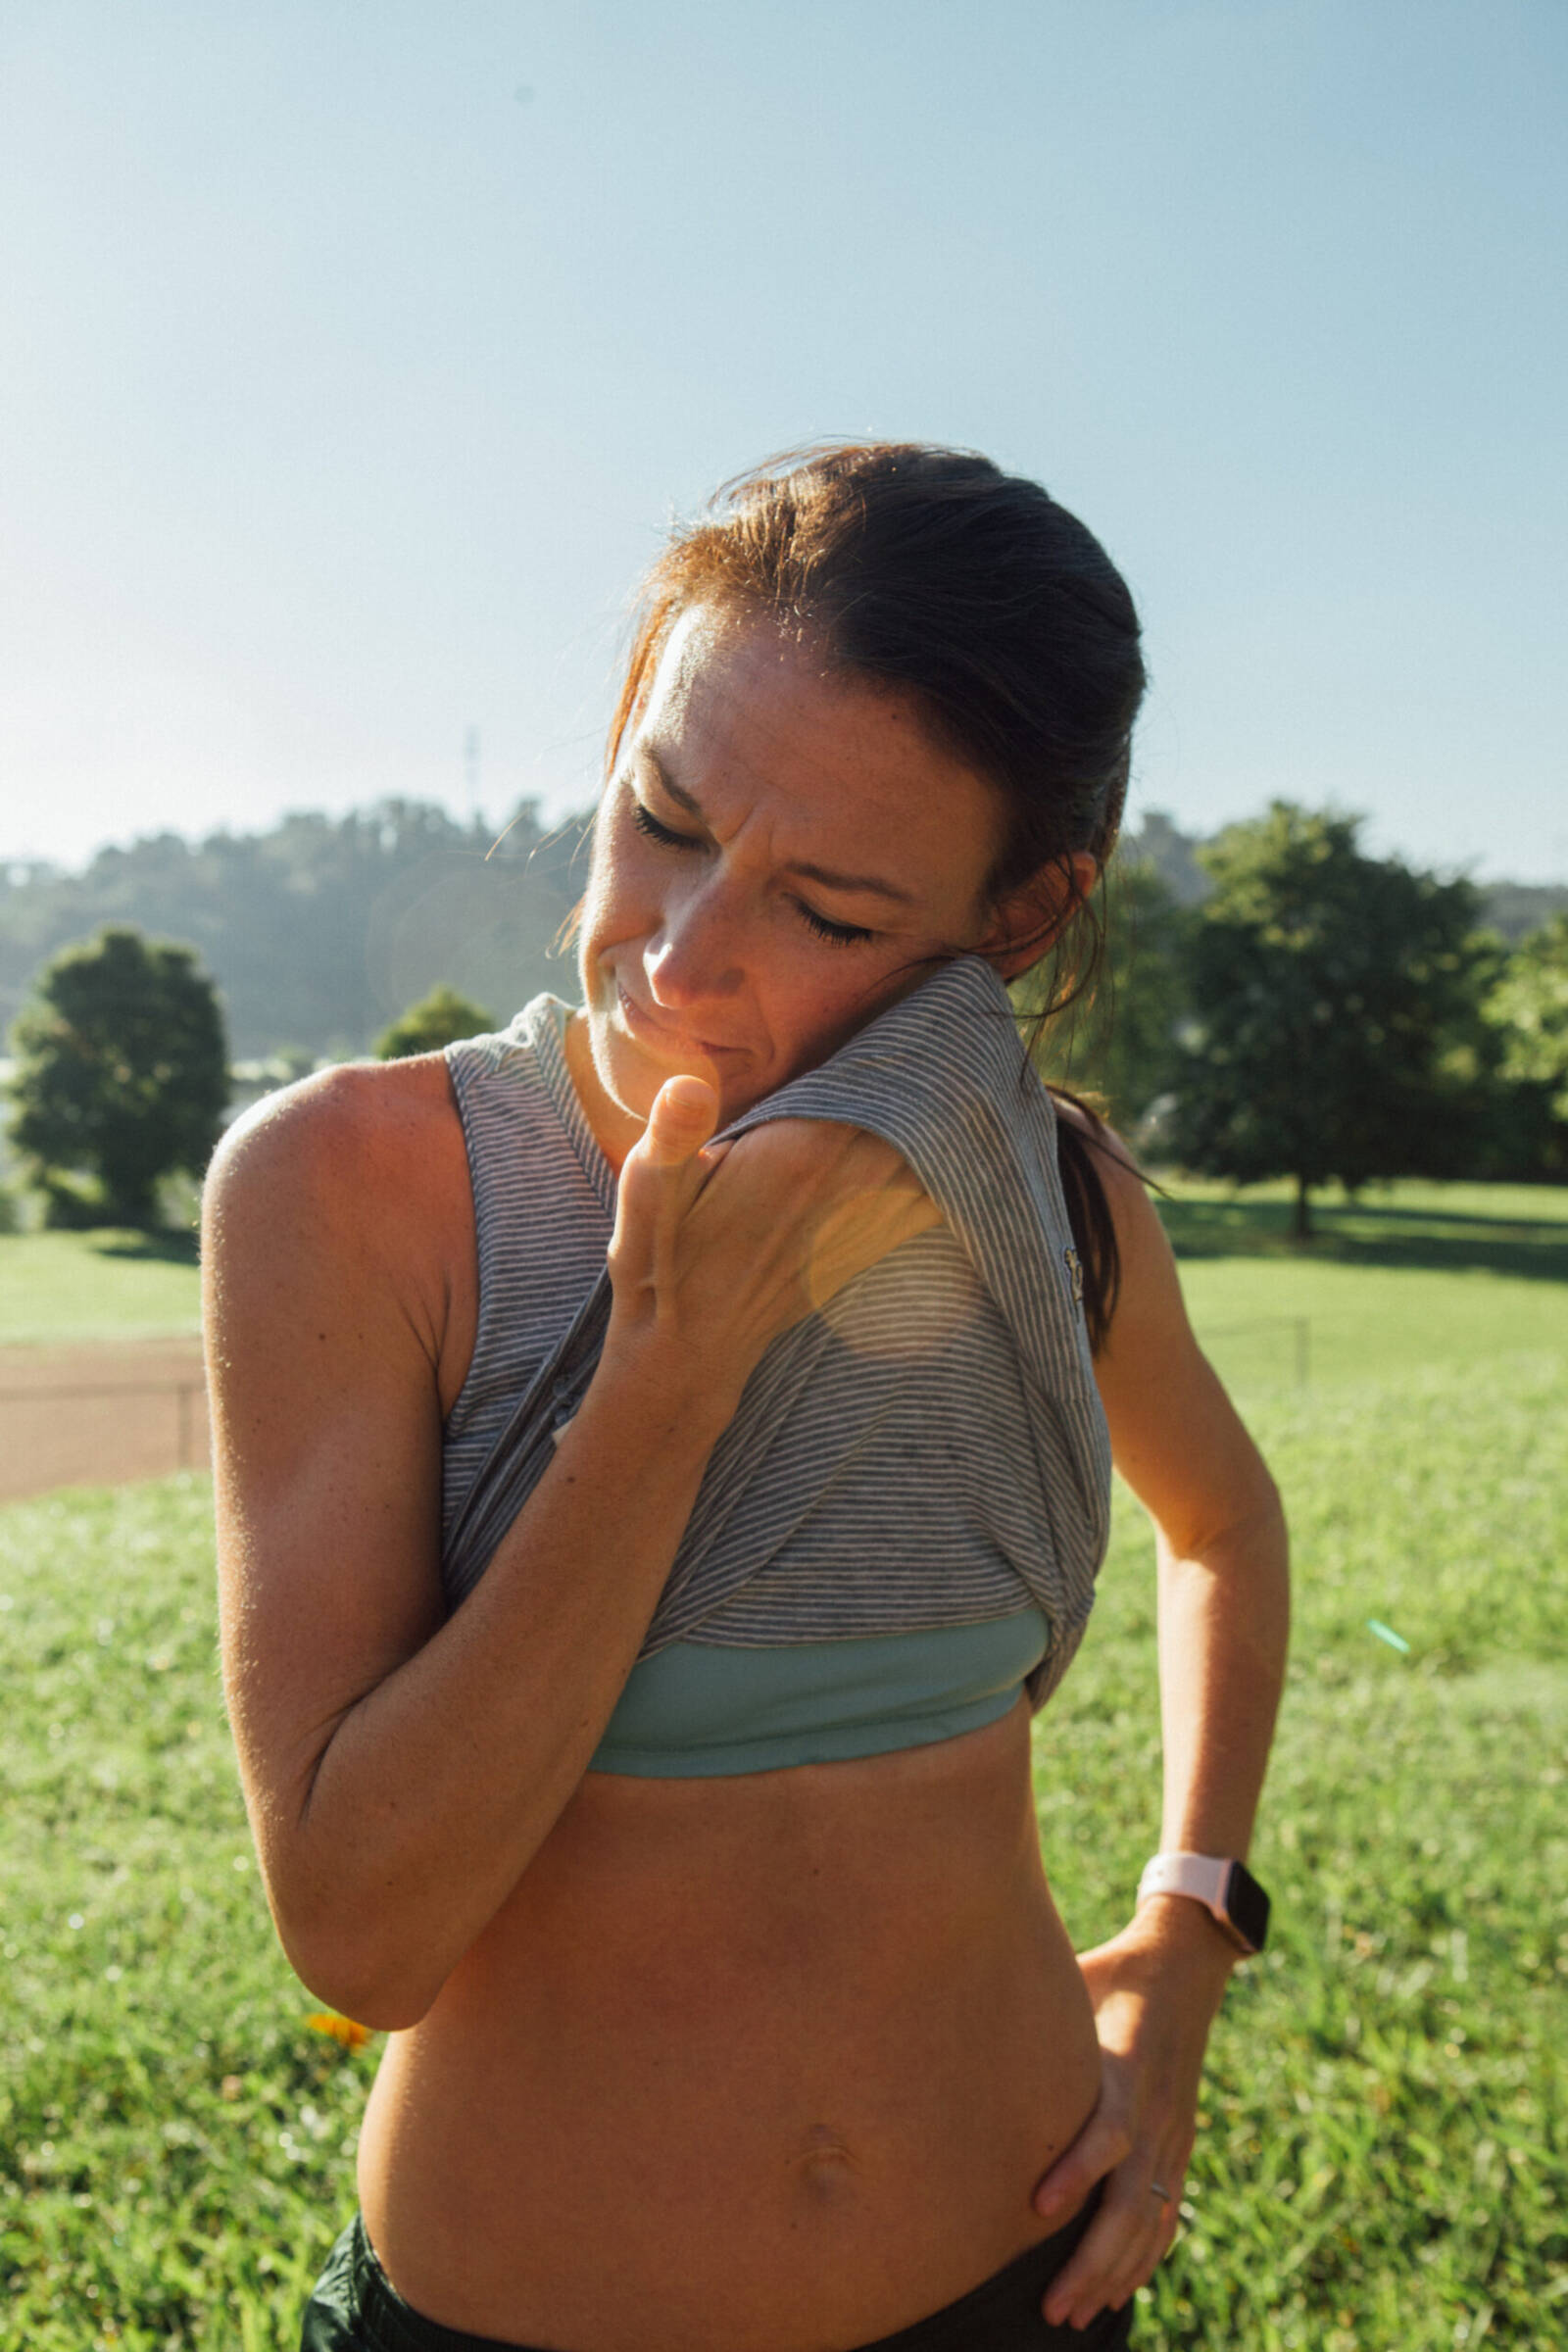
774 850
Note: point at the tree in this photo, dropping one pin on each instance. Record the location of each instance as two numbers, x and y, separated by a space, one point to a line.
436 1019
318 929
1530 1005
1336 997
122 1075
1119 1045
1527 1008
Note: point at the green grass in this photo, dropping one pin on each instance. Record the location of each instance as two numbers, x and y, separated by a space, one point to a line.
104 1285
114 1285
1384 2158
1418 1275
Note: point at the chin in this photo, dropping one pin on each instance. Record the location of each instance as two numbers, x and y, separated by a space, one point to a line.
627 1077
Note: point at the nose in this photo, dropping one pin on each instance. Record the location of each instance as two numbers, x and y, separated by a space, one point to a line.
694 956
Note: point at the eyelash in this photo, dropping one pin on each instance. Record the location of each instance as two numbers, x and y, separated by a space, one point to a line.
836 935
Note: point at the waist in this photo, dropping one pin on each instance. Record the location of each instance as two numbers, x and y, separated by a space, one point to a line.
798 2043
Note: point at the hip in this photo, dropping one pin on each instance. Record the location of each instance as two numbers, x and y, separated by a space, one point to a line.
355 2308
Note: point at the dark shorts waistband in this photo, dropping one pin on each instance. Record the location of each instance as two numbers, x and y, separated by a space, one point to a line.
356 2308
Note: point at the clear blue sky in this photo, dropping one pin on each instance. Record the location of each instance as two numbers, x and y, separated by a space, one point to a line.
353 354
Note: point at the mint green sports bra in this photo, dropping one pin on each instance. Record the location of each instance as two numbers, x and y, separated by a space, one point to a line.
693 1709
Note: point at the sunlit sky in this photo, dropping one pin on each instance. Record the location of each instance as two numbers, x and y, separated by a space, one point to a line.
353 358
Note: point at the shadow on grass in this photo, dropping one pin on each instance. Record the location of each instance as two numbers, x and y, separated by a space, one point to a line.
1367 1232
171 1249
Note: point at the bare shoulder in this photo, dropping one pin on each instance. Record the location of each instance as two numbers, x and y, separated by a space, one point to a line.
345 1198
358 1135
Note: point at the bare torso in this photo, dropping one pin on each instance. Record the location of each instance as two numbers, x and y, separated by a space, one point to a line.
742 2063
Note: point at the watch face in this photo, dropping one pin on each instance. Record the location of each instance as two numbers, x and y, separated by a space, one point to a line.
1247 1906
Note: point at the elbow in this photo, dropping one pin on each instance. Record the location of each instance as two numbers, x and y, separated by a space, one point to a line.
385 2000
1244 1541
1269 1512
354 1961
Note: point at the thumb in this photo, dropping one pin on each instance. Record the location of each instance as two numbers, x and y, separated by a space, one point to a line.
684 1116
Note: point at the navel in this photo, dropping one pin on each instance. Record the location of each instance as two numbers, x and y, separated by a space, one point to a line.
823 2162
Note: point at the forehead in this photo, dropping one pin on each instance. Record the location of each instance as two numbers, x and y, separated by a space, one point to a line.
737 708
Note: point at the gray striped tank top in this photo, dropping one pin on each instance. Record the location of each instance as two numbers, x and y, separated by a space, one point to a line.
903 1521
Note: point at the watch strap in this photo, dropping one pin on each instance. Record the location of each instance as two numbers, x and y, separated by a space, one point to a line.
1207 1878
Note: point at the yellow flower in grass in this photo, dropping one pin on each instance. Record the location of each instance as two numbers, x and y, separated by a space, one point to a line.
340 2029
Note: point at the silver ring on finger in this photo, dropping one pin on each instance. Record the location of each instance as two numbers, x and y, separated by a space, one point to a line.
1158 2188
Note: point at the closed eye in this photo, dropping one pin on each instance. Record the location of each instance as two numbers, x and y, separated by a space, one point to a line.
838 935
646 822
841 934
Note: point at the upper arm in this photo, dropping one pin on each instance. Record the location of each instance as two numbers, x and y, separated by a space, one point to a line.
1175 1436
327 1433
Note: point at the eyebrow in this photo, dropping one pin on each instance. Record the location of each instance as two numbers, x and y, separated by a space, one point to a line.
813 874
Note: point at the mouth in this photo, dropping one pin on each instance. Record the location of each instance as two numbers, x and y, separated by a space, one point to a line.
650 1031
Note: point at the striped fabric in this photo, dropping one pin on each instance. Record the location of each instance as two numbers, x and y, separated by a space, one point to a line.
928 1450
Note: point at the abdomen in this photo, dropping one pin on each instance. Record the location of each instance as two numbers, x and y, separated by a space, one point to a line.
743 2064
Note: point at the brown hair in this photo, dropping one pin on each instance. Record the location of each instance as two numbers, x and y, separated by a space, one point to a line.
931 570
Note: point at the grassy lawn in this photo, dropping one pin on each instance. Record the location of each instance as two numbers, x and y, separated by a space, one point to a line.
1385 2153
1419 1275
115 1284
105 1284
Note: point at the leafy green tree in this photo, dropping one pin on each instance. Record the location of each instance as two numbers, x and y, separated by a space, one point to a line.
122 1075
1119 1043
1336 1013
1530 1005
436 1019
1528 1011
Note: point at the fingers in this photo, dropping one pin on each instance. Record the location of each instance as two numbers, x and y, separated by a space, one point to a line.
1132 2228
1103 2143
1121 2249
684 1116
738 1239
662 1174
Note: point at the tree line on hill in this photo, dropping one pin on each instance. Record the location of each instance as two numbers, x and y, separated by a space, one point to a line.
1272 1002
318 931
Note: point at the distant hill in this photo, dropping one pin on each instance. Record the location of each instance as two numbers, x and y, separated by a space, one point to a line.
320 931
1515 908
1510 908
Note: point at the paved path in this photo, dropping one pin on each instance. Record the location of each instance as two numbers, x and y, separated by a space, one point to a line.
89 1415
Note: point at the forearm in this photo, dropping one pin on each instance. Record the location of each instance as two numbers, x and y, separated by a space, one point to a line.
1224 1622
1157 1984
438 1787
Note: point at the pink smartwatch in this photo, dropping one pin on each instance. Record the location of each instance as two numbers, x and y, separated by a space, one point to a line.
1224 1886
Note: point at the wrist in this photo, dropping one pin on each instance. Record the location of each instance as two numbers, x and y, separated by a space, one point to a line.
1220 1883
1174 1923
657 1375
1185 1949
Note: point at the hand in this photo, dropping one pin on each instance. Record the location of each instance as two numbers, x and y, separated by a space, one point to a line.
1155 1989
720 1247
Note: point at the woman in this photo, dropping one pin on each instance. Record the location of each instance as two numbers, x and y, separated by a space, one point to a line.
703 2040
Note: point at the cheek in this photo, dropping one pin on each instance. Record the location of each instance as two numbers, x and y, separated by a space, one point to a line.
622 899
812 1013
